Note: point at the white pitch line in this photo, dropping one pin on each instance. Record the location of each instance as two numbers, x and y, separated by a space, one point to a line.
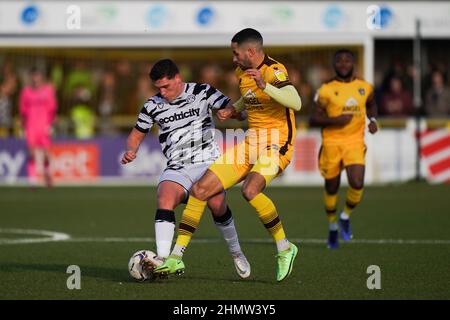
52 236
48 236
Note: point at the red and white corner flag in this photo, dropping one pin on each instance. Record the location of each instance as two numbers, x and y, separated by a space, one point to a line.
435 153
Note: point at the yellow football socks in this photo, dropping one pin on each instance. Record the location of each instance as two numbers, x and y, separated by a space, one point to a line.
190 220
268 215
330 201
353 198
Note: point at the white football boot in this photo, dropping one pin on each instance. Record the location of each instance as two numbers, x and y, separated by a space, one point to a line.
242 266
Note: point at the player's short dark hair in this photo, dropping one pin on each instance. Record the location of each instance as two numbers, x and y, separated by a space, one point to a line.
247 35
164 68
343 51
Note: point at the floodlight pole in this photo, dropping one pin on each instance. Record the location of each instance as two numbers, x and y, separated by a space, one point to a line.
417 95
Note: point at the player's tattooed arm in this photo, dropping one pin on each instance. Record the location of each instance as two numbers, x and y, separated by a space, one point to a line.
133 142
371 108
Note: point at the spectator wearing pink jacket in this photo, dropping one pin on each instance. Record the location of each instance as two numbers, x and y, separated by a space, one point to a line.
37 106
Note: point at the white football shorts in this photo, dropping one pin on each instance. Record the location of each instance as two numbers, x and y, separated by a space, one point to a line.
186 176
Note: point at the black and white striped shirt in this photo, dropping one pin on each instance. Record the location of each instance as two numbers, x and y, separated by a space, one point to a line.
186 127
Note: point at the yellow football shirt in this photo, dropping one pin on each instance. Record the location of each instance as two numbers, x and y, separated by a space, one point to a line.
264 112
339 98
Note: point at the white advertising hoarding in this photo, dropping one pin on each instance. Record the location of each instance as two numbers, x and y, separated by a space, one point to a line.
224 17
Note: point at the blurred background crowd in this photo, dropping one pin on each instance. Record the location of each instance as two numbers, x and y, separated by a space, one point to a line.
99 92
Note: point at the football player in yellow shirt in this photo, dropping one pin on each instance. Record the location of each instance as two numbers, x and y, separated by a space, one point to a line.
270 101
342 105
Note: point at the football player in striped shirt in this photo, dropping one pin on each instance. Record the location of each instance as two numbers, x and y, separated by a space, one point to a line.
184 115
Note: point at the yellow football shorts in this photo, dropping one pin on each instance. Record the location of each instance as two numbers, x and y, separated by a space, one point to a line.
334 158
238 161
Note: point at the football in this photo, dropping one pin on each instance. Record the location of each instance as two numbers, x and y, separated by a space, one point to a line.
135 265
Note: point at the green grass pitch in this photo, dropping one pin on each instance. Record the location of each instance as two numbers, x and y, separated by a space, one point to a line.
403 229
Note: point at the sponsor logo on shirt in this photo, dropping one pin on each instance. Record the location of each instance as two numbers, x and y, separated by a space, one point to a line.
181 115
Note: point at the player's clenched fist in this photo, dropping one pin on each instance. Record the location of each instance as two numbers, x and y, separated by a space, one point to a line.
225 113
373 128
128 157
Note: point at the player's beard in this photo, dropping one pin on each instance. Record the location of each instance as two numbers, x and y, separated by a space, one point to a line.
246 64
346 75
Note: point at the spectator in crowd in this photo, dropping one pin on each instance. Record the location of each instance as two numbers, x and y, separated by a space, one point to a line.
410 75
37 107
231 85
57 74
83 118
378 87
210 74
186 72
107 104
437 98
317 74
435 66
125 86
397 101
144 89
79 84
8 87
400 71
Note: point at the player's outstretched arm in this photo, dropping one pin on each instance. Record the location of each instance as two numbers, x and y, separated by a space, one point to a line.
133 142
233 111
